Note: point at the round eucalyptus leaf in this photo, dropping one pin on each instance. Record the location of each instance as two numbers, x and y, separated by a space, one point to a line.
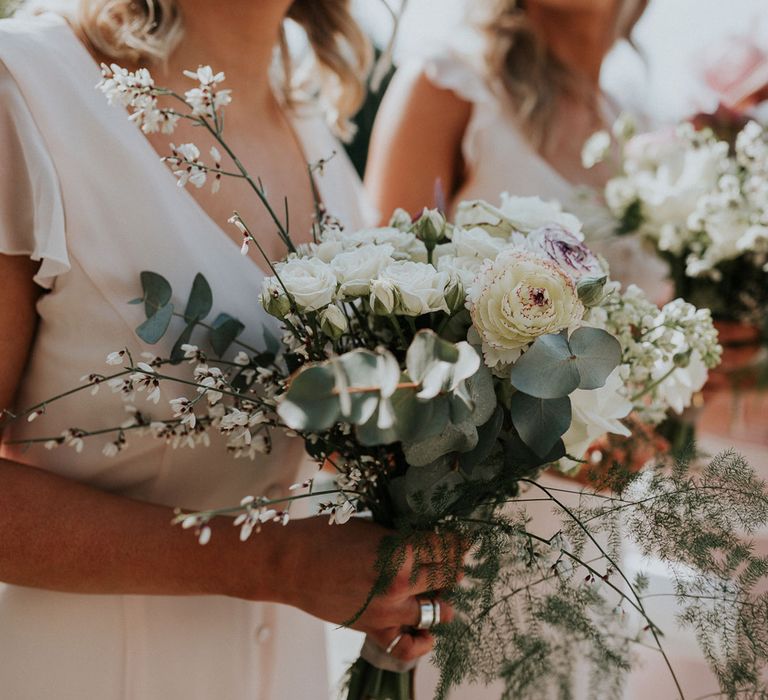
156 325
482 392
157 291
597 354
200 299
547 369
310 403
487 435
540 422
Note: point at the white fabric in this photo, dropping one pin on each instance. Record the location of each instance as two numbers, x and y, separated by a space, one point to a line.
499 158
83 190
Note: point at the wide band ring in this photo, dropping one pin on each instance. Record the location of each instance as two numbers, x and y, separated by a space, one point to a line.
429 613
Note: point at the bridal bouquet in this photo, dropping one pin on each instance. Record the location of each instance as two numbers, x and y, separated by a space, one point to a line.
703 202
438 367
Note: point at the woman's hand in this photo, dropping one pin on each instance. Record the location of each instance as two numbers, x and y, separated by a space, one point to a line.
329 572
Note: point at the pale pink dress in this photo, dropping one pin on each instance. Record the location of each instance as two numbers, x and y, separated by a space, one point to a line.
83 192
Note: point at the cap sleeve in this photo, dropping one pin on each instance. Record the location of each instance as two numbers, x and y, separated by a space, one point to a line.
462 75
31 208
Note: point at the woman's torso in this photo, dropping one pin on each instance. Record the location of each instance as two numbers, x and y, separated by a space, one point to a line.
104 210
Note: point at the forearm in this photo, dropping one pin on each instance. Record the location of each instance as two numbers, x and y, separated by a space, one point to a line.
61 535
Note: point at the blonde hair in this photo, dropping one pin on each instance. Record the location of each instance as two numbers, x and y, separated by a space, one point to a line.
532 77
149 30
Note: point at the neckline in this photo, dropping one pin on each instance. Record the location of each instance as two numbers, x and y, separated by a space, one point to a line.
188 199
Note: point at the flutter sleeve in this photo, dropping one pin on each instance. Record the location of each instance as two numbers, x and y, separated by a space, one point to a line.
31 207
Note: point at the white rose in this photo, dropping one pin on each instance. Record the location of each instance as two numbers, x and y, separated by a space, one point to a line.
479 213
419 288
354 269
309 281
517 298
463 269
476 243
529 213
406 246
333 322
382 299
595 413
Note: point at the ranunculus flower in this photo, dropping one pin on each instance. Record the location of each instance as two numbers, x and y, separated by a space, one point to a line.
517 298
309 281
419 288
354 269
565 250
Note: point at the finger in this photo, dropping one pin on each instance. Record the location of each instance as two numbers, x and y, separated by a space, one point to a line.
413 645
447 613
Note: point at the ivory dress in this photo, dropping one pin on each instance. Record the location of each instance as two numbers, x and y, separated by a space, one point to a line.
83 192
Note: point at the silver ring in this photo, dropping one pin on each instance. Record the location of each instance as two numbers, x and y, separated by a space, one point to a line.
427 613
394 643
436 606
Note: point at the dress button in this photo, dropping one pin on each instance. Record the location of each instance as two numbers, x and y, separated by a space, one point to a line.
274 491
262 634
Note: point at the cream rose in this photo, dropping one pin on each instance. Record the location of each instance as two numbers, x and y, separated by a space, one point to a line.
419 288
354 269
309 281
517 298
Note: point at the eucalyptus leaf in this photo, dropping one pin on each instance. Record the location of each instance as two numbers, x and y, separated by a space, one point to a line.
200 299
460 437
546 370
156 325
482 392
361 368
157 291
455 329
540 422
225 330
426 485
520 460
271 341
597 353
487 435
409 414
310 403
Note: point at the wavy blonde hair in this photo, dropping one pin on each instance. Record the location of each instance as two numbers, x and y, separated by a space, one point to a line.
528 71
149 30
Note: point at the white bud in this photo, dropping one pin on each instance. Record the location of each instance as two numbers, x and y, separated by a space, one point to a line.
333 322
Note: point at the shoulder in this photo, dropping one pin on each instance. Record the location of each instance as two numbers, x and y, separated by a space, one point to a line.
419 99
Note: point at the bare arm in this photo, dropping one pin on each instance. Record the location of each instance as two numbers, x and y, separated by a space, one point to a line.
416 143
61 535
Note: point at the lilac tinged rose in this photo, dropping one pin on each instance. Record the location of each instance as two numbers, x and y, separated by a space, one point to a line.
563 248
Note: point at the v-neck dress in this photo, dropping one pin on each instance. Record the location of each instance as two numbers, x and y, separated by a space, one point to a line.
83 192
499 158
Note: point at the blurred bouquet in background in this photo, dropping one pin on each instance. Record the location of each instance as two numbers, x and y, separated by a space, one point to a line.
703 202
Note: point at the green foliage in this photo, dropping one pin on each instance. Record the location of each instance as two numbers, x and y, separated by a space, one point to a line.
540 422
556 365
225 329
538 613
